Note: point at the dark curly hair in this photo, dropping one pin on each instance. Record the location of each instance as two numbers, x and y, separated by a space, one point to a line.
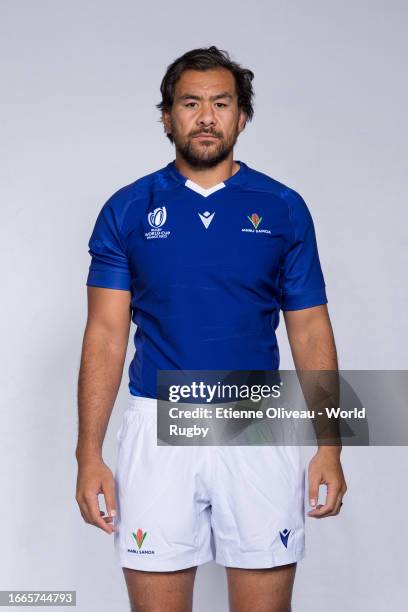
206 59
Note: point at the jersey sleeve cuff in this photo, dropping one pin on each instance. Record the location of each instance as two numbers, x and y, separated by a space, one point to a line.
109 280
298 301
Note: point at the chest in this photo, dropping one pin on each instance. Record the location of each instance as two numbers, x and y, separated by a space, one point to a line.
236 239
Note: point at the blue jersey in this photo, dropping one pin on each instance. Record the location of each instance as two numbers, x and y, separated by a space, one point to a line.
208 269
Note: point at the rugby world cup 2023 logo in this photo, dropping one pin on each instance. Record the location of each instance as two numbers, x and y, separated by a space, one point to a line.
157 218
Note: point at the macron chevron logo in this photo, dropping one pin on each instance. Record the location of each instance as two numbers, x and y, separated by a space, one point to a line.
206 218
284 535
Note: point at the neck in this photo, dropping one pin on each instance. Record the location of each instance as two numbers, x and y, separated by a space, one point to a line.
207 177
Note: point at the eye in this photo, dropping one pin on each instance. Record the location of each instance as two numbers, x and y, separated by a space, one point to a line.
190 104
220 104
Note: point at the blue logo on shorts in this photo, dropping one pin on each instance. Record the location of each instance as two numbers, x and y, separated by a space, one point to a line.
284 535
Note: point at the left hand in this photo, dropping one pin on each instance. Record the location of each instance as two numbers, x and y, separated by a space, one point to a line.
325 468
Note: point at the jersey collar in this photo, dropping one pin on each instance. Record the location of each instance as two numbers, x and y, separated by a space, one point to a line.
235 179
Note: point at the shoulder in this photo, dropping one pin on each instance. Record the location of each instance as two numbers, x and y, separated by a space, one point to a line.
139 189
262 182
130 198
290 198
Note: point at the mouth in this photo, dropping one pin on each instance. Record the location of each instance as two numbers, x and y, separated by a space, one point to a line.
207 136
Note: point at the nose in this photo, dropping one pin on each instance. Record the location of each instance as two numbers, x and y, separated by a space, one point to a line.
206 117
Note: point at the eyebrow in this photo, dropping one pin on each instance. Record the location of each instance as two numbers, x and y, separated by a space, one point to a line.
188 96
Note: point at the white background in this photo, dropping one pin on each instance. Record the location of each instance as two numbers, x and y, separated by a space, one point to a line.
80 83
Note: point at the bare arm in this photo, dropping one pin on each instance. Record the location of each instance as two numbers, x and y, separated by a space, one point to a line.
311 338
313 347
103 354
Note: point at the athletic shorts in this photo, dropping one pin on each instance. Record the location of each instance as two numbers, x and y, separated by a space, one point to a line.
182 506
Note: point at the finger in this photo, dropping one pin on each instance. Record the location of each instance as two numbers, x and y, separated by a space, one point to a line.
107 518
339 501
86 511
82 508
314 483
84 516
327 508
321 508
93 512
338 504
87 518
335 510
314 512
108 487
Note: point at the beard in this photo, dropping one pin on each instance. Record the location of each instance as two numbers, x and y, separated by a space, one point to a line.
203 154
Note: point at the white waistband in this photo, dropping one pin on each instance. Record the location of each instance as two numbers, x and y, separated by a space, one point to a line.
137 402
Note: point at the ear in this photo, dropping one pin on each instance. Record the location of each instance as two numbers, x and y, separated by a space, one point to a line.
242 120
166 121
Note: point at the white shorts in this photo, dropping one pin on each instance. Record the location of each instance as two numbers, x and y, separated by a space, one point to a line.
181 506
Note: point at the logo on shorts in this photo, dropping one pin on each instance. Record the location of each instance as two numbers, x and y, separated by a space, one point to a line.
256 220
139 537
284 535
157 218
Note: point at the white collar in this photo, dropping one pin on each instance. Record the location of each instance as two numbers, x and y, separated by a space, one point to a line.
201 190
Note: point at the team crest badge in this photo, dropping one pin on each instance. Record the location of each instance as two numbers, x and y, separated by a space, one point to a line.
255 220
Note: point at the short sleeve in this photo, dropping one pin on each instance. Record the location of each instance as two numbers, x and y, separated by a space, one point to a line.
109 266
301 277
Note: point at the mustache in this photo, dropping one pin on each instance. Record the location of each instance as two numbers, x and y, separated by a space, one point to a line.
210 133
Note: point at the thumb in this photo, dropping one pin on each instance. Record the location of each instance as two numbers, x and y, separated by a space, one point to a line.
313 490
110 497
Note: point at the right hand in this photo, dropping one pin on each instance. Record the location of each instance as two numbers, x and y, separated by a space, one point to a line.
94 477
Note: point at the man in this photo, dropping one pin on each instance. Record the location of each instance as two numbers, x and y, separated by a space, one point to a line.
174 249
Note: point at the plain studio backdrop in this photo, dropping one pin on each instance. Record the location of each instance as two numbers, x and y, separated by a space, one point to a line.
80 83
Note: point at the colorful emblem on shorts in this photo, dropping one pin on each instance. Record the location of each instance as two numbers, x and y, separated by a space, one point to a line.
255 220
139 537
284 535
